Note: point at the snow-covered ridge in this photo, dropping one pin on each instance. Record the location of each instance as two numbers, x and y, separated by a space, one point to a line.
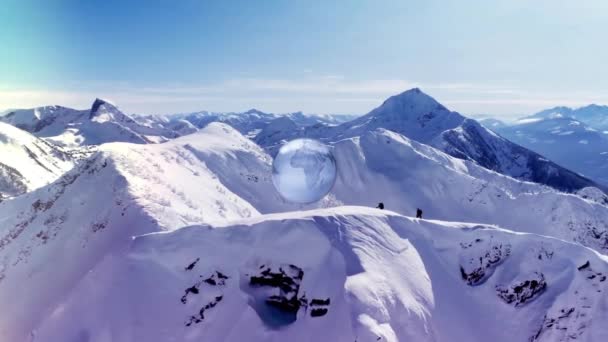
339 274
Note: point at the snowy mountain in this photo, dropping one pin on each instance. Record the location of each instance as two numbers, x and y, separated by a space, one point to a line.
27 163
565 140
103 123
381 271
340 274
595 116
419 117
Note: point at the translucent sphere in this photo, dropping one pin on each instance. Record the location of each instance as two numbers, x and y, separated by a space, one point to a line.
304 171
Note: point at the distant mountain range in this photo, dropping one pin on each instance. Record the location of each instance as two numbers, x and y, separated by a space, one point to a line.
574 138
411 113
418 116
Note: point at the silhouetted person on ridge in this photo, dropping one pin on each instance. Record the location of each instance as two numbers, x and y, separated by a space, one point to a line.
380 206
418 213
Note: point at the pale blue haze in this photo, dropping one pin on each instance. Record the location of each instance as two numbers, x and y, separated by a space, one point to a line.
501 56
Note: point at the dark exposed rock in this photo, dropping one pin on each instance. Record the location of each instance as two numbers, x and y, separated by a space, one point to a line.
583 266
318 312
524 291
287 280
216 279
191 266
481 258
201 313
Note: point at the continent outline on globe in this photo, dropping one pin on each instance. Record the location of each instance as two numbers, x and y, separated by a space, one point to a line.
304 171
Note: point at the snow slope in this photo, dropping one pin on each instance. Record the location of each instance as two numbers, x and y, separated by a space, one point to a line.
382 166
27 163
339 274
421 118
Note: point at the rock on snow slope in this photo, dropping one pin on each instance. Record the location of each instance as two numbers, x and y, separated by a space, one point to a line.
217 175
27 163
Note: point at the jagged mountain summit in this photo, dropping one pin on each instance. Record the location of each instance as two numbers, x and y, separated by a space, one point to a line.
103 123
565 140
418 116
27 163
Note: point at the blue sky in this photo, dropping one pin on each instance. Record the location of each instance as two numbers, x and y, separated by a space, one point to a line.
158 56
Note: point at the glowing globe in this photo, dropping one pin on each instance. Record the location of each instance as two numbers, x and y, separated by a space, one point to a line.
304 171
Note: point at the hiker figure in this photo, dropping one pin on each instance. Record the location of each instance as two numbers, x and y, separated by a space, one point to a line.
418 213
380 206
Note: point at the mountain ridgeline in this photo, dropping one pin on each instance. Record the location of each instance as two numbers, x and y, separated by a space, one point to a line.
419 117
412 113
188 239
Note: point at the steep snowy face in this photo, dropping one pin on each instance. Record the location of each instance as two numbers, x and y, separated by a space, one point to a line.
27 163
341 274
383 166
567 141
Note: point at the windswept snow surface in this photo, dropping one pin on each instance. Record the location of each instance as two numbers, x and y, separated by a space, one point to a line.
339 274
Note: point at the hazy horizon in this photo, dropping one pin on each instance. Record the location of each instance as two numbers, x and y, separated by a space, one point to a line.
504 58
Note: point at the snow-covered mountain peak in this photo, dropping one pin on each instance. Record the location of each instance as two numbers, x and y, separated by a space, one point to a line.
101 102
104 111
411 113
412 103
